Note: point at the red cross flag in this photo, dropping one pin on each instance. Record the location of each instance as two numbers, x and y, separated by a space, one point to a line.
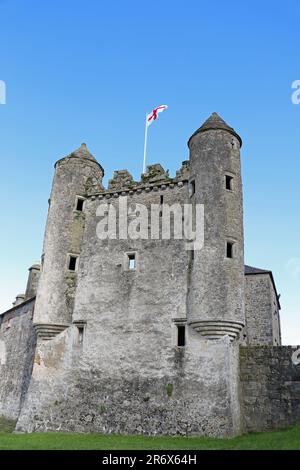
149 119
153 115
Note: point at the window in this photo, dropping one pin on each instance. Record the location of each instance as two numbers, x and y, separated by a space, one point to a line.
131 261
228 182
161 203
229 250
191 188
80 334
180 335
79 204
72 263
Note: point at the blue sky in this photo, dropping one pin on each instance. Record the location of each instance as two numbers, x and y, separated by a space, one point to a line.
88 71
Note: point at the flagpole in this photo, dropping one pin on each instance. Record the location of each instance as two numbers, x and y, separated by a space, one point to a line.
145 145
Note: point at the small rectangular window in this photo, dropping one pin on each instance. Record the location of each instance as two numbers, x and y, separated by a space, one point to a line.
79 204
161 199
191 188
72 263
228 182
131 261
180 335
229 250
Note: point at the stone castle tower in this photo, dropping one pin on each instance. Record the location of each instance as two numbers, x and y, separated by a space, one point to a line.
132 335
63 237
217 287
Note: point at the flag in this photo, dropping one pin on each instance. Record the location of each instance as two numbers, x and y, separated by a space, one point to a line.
153 115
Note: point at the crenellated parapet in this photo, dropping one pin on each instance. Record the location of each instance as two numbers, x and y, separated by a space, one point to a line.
155 173
156 178
184 172
122 179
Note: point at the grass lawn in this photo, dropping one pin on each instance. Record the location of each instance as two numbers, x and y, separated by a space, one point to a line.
286 439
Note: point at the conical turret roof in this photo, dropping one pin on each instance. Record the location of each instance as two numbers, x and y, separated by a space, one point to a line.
215 122
83 153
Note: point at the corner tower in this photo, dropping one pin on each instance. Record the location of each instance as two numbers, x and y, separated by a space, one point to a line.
73 177
216 294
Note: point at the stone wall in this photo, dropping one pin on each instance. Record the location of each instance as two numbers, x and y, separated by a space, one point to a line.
275 316
270 387
262 311
17 346
151 391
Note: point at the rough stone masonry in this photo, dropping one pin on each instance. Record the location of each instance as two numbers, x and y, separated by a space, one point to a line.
141 336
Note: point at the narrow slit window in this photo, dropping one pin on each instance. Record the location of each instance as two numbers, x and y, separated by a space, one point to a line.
72 263
192 188
80 334
161 203
180 335
228 182
229 250
79 204
131 261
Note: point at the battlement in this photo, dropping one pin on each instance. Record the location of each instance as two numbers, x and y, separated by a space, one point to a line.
155 178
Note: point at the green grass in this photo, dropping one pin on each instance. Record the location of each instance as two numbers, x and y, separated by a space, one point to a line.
286 439
6 425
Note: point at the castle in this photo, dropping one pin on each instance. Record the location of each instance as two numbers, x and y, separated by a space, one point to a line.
144 336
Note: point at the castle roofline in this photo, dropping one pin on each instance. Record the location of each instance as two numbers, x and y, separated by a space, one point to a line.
82 153
35 266
252 271
215 122
16 307
155 178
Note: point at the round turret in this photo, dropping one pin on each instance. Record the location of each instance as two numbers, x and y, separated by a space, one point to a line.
74 175
216 294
